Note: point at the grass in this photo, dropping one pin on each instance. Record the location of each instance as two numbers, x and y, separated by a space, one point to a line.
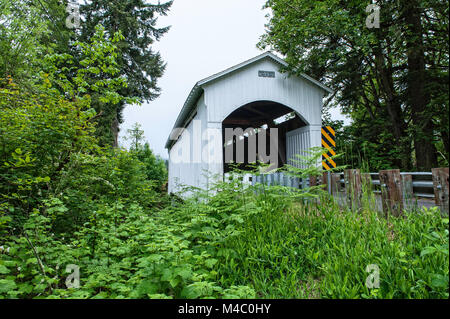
292 249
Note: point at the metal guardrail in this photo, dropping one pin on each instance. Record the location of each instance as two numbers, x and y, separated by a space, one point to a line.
422 187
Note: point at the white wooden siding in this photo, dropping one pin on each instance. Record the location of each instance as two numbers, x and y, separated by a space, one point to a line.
298 142
190 173
224 95
235 90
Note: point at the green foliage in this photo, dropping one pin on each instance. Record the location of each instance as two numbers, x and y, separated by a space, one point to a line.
66 201
32 32
38 135
392 81
154 166
21 28
233 241
300 249
45 133
137 20
57 184
123 252
137 61
92 76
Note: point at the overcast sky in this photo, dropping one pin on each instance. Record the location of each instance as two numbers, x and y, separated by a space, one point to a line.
206 37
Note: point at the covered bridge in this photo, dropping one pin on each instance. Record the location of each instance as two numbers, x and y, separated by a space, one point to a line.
251 98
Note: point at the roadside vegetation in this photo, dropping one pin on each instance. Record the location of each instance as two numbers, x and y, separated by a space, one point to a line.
241 242
71 203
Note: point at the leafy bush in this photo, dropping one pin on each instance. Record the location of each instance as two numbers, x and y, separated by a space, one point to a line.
68 204
240 242
122 252
154 166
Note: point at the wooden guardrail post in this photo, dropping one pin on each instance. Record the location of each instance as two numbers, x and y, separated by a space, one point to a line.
335 183
327 182
440 185
353 187
391 192
324 179
312 181
408 191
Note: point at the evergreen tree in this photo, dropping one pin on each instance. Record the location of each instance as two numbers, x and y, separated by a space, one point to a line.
138 62
154 166
135 136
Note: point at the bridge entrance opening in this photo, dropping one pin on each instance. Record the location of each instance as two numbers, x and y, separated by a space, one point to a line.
252 124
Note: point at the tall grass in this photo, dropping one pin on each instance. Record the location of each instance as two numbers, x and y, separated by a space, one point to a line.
289 246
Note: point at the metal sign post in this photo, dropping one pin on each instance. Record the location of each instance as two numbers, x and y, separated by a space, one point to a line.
329 182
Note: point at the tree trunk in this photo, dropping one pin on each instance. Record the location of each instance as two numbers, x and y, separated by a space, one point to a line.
426 153
393 105
115 132
445 141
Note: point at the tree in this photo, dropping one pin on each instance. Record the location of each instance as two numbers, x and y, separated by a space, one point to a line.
154 166
135 136
21 27
43 129
383 77
137 61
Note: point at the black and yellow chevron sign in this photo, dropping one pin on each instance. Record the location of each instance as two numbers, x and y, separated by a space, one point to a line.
329 143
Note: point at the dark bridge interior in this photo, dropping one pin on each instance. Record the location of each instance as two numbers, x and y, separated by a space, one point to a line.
261 115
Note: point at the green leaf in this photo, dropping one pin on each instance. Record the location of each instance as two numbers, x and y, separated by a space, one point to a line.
4 270
427 251
210 262
7 285
147 287
440 281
